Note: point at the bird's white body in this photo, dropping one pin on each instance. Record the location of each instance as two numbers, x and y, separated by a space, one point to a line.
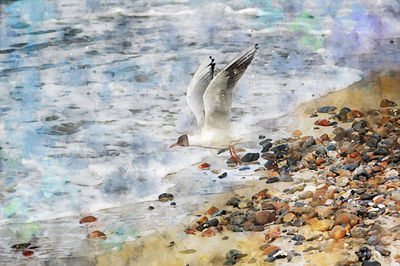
212 138
210 99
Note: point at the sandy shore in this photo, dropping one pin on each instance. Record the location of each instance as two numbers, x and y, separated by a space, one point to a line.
172 246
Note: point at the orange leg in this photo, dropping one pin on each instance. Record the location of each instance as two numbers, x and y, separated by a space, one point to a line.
234 156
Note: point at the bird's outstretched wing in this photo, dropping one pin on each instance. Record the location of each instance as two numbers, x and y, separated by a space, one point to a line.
218 95
197 86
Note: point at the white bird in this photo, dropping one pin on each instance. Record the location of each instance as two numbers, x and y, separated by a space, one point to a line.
210 99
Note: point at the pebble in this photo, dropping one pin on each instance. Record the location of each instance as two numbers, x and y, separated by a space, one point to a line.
270 250
370 263
233 202
297 133
234 228
326 109
235 254
287 218
250 157
285 178
212 210
20 246
96 234
346 219
351 167
188 251
396 196
165 197
331 147
358 232
265 141
204 166
322 122
337 232
297 223
27 253
387 103
266 147
342 181
322 225
372 215
238 220
242 205
223 175
209 232
298 238
265 217
272 180
88 219
345 114
363 254
308 143
221 151
382 250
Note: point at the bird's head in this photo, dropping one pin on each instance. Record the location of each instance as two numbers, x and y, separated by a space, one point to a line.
182 141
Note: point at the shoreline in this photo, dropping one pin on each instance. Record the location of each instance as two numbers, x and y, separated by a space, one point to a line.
172 246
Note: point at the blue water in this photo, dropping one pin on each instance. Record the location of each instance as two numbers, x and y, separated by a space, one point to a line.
93 93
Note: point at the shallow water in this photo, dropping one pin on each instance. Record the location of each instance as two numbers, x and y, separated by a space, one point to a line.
93 93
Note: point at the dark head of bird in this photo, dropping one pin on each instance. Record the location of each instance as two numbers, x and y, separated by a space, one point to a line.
182 141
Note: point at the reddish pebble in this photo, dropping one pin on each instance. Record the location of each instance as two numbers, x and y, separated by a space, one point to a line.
265 217
346 218
273 174
354 154
297 133
270 250
357 114
96 234
204 166
324 137
28 253
212 210
323 122
385 120
88 219
272 236
260 195
209 232
337 232
320 161
272 232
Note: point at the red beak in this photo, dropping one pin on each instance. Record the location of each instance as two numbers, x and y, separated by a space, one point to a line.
173 145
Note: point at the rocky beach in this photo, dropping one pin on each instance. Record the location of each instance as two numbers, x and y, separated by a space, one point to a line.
327 195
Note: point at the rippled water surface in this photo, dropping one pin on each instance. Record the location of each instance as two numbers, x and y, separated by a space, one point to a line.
92 93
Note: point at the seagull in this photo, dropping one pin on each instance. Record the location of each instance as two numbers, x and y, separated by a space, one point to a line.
209 96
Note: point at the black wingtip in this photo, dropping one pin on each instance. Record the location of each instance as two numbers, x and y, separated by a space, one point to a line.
212 64
256 46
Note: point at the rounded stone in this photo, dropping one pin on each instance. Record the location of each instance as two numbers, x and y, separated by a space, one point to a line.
264 217
337 232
